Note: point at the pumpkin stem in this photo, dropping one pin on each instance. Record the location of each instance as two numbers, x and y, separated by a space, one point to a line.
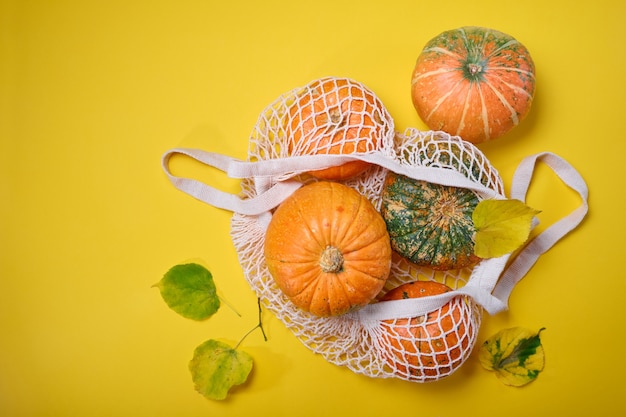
331 260
474 69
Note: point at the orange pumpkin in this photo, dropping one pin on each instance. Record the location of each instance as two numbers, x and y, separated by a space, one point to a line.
430 346
473 82
327 249
335 116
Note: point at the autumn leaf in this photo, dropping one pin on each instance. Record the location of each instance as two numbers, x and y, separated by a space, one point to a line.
189 290
515 355
501 226
216 367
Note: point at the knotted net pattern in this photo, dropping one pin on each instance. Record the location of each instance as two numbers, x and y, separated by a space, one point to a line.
419 348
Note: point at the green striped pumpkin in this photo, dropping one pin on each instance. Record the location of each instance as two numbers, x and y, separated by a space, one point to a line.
429 224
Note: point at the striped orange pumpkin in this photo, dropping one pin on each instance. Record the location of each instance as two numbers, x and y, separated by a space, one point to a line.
473 82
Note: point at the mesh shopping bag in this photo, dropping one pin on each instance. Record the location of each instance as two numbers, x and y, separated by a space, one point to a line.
416 339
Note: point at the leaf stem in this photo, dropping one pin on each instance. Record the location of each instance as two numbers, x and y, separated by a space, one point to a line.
258 326
229 305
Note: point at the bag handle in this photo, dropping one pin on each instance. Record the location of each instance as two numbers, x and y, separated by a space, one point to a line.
273 194
489 286
273 177
529 255
492 281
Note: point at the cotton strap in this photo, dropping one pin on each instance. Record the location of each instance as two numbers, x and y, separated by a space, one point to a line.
492 281
276 174
549 237
484 286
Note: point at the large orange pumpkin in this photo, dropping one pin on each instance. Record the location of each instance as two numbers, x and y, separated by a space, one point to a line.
327 249
473 82
430 346
335 116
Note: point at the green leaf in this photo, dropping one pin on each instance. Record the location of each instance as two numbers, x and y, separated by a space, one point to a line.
502 226
189 290
516 355
216 367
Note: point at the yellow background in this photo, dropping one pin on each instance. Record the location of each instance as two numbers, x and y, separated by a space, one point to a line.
92 93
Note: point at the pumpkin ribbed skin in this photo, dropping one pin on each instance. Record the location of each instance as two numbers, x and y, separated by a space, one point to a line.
429 224
335 116
328 249
426 347
473 82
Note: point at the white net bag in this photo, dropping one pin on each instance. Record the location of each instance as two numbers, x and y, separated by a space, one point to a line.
302 137
427 347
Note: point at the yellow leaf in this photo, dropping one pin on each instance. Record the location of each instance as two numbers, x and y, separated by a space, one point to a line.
216 367
515 355
501 226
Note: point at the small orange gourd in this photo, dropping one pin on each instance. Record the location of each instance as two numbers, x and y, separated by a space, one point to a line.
430 346
336 116
473 82
328 249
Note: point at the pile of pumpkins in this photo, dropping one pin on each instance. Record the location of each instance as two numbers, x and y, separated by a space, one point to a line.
327 247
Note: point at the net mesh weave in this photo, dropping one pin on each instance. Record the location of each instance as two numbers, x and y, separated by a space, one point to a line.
423 348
